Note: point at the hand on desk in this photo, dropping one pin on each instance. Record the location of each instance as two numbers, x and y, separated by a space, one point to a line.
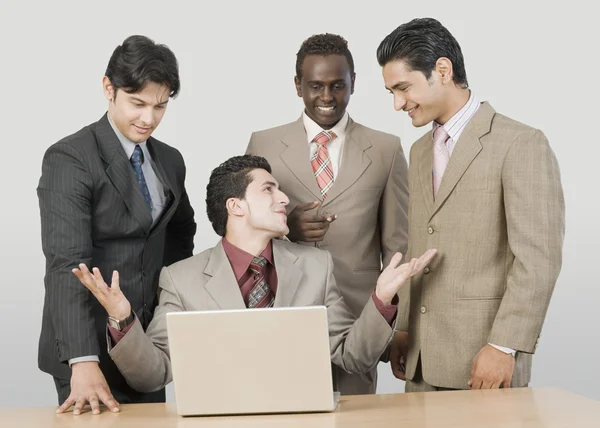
111 298
398 349
491 369
307 227
88 385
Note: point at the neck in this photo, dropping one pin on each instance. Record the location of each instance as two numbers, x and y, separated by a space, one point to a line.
252 242
456 100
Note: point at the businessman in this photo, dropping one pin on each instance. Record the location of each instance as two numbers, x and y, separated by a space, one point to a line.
248 268
485 191
347 183
111 196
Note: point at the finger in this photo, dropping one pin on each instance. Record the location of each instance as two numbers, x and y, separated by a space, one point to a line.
65 406
87 275
79 404
476 384
332 218
487 384
313 218
308 206
114 284
98 275
495 385
109 401
315 225
396 259
94 405
506 382
80 277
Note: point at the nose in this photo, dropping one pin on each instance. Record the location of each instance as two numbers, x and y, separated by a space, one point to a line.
147 116
399 102
283 199
326 95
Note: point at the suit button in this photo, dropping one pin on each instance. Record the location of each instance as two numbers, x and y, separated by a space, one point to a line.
321 245
430 230
423 309
426 270
143 272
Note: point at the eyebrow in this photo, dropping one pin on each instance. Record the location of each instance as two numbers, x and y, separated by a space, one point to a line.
322 81
270 183
139 100
398 85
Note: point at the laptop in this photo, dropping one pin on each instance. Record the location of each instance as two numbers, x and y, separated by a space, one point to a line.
274 360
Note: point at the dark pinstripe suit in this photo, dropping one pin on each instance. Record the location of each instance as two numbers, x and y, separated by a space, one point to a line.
93 212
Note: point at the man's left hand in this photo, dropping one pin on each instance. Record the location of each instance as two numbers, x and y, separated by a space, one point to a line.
491 369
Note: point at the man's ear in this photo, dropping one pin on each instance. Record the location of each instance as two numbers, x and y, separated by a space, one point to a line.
234 207
298 86
109 90
443 66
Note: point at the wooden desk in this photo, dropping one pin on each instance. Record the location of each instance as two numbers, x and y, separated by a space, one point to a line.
510 408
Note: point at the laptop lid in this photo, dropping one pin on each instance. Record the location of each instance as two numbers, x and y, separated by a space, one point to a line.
251 361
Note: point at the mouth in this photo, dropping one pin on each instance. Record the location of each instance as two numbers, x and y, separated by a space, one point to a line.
142 130
326 109
282 212
411 111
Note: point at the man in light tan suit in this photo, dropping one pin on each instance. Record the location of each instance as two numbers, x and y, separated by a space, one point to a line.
485 191
249 269
355 204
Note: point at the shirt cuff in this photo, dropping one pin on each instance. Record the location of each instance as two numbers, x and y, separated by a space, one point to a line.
116 335
388 312
85 359
504 349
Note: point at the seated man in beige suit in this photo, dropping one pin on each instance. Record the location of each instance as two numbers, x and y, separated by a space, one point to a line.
485 191
347 183
249 269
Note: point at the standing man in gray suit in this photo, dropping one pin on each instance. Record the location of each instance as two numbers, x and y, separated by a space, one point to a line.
113 197
347 183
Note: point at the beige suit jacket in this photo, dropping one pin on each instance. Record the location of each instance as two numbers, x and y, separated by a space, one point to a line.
370 197
498 224
206 282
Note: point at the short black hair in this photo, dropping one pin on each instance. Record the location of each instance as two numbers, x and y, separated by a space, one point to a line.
420 43
323 44
139 61
230 180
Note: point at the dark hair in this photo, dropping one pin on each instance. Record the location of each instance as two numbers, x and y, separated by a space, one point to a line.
138 61
323 44
420 43
230 180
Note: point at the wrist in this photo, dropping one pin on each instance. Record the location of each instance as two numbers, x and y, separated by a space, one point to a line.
385 299
119 323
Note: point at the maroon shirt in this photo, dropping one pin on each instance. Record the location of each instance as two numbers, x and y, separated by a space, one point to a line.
240 263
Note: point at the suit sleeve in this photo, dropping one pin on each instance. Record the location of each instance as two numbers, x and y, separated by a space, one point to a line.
65 200
393 210
535 217
356 344
143 358
179 242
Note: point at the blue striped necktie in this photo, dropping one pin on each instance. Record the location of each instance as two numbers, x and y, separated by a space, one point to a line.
137 159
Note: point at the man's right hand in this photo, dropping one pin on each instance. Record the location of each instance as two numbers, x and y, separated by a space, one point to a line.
398 349
307 227
88 385
111 298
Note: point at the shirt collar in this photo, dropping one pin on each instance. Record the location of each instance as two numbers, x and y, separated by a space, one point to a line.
313 129
126 143
240 259
458 122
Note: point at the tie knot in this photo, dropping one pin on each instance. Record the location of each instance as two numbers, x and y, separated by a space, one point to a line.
258 264
324 137
137 158
440 136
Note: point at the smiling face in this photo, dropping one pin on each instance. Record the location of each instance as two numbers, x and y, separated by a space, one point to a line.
138 114
264 205
425 100
325 87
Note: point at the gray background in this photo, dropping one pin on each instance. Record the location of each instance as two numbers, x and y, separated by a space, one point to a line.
533 62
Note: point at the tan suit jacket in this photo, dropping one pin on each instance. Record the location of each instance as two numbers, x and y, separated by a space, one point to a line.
498 224
206 282
370 197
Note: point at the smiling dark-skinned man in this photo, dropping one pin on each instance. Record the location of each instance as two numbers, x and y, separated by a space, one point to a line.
347 183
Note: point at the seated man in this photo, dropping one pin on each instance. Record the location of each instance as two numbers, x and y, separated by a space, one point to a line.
248 268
